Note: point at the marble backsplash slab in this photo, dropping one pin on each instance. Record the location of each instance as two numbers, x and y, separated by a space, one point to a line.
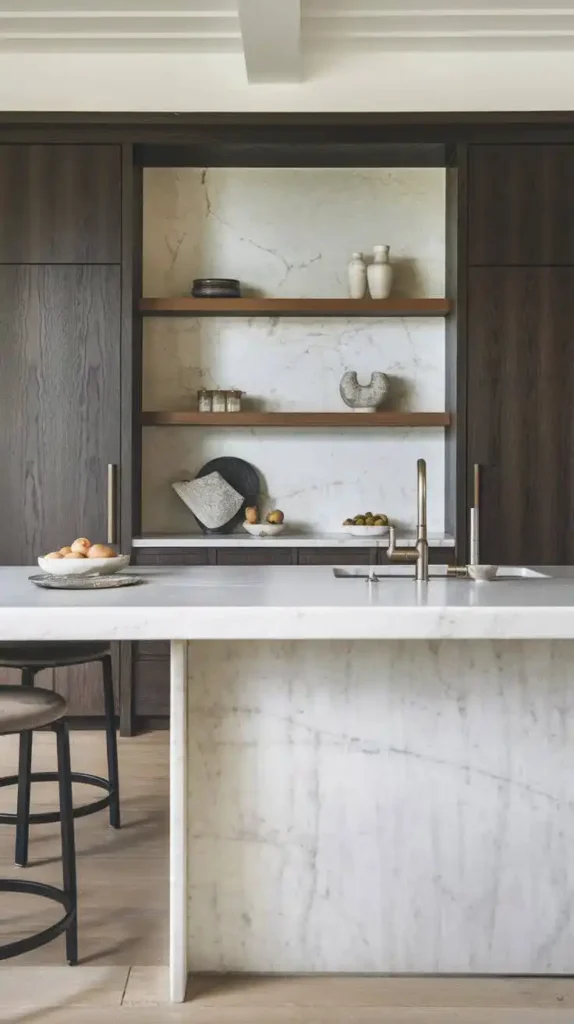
291 231
264 225
381 806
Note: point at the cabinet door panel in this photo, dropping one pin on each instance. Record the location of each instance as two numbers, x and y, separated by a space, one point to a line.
254 556
521 205
60 204
60 400
333 556
521 413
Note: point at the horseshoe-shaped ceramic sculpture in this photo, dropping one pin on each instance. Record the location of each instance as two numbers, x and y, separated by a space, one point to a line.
364 397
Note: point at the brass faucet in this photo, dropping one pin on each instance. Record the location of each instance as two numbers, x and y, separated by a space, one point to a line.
419 554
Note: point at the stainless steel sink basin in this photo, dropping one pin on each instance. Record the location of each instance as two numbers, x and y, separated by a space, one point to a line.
437 572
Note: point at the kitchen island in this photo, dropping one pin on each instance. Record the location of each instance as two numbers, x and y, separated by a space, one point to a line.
379 781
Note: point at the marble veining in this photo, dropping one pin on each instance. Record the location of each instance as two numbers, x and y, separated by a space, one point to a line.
291 232
383 806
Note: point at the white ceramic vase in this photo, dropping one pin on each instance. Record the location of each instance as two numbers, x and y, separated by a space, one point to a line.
380 273
357 273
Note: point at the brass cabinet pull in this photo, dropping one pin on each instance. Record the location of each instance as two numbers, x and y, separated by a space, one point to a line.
112 502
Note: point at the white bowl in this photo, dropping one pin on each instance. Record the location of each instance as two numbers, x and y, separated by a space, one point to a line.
264 529
83 566
482 573
367 531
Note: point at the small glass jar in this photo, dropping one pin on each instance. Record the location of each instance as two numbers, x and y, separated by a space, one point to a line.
234 400
204 400
219 401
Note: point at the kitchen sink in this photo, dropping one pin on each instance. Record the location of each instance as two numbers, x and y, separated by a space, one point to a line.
436 572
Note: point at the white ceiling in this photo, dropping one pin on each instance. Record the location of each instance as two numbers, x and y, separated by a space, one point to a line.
273 34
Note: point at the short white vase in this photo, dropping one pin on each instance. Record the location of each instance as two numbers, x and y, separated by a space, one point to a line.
380 273
357 274
364 397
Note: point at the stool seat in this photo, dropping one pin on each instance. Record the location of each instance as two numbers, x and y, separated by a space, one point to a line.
24 708
51 654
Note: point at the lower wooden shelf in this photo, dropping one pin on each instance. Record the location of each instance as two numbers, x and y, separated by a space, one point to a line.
296 419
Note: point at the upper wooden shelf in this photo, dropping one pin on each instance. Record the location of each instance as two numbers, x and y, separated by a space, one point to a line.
296 419
188 306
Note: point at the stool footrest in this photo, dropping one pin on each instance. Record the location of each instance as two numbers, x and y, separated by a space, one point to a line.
48 817
31 942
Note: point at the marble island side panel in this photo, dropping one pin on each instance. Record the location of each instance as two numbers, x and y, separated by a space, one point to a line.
396 806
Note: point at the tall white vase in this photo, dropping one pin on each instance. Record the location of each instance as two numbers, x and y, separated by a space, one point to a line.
380 273
357 272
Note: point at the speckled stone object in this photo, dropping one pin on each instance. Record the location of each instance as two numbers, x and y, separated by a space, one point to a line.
210 498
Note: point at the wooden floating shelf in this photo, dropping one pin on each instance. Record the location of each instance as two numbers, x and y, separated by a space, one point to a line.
296 419
188 306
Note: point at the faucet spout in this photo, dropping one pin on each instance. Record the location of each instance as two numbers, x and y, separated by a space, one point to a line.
419 554
421 497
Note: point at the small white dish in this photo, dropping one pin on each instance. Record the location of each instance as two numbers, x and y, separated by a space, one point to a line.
83 566
264 529
367 531
482 573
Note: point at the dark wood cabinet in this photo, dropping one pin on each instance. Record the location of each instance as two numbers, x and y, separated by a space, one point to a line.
333 556
256 556
60 397
60 400
60 204
521 205
521 413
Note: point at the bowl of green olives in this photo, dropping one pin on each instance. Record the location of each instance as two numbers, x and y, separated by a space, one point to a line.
368 524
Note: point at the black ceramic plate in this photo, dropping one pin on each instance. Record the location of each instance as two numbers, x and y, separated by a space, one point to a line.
243 477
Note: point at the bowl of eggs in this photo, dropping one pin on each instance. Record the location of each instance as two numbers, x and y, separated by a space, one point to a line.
82 558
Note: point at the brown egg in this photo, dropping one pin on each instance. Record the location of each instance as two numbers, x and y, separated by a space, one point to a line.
81 546
101 551
66 550
53 554
74 554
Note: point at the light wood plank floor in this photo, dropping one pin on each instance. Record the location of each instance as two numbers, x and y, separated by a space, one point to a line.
123 892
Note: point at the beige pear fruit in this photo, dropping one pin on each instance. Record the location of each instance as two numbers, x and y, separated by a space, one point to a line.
251 514
53 554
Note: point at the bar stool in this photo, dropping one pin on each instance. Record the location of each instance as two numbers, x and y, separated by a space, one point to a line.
30 658
21 711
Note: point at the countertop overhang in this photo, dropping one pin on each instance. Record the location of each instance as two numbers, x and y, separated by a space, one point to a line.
288 602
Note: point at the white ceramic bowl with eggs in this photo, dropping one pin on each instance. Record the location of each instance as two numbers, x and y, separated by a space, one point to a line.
83 566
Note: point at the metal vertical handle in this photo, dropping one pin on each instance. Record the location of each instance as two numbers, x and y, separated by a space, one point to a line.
475 517
112 501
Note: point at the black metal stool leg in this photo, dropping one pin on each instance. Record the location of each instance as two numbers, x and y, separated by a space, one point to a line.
67 833
24 780
111 741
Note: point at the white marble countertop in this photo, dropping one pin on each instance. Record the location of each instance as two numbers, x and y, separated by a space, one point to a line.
288 602
283 540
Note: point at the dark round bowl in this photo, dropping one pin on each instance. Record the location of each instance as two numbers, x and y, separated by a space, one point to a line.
216 288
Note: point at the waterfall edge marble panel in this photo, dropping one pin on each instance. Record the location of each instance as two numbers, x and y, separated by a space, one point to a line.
381 806
291 232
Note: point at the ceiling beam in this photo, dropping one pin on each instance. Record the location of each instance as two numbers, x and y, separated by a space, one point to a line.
271 34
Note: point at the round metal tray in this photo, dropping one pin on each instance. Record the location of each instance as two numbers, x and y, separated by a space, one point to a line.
84 582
